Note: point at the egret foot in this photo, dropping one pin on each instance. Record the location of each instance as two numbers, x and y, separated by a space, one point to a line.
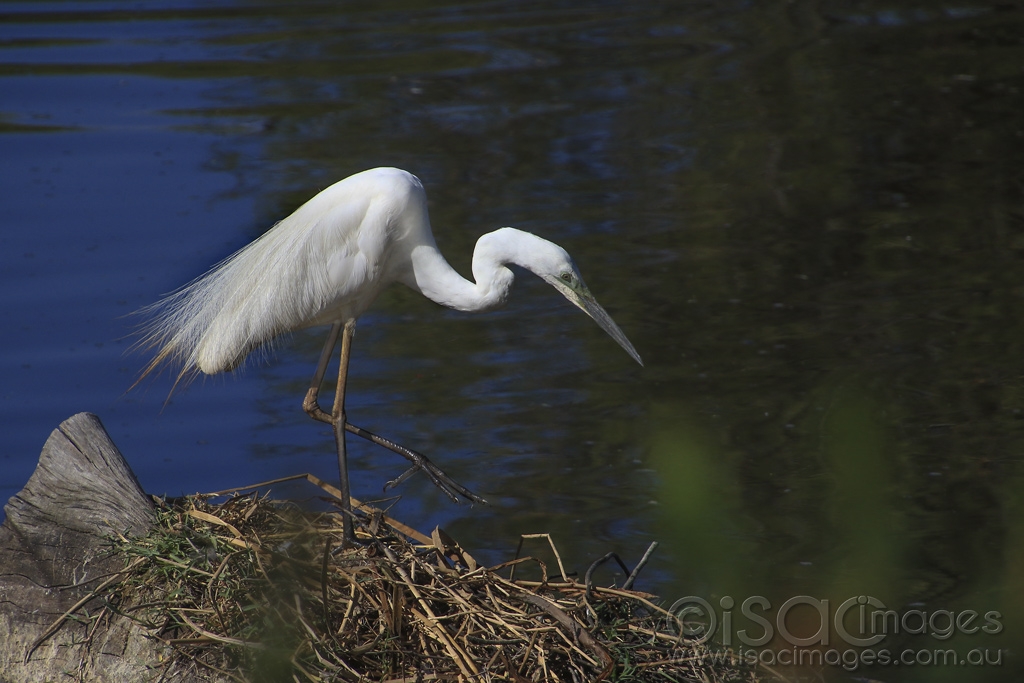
337 418
420 462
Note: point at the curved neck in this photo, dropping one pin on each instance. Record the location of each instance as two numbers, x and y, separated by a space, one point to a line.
433 277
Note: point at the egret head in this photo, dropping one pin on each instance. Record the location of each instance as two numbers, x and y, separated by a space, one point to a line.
547 261
567 280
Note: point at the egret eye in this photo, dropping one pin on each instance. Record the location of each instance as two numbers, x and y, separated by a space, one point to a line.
567 277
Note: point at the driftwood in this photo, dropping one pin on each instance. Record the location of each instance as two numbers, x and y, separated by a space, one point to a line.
54 552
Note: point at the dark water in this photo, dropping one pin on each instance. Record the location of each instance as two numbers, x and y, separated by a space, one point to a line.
807 216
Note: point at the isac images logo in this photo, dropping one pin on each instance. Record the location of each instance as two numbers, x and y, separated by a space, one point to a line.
808 631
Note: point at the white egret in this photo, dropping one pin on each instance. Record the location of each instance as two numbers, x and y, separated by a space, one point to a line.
324 265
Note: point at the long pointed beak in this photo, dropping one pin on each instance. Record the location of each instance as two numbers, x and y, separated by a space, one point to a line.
588 304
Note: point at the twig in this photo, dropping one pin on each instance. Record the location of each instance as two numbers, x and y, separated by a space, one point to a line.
640 565
578 632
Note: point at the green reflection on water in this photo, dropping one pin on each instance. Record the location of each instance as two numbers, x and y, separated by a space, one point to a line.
698 502
866 559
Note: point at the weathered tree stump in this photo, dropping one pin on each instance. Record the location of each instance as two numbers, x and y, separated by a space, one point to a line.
55 550
294 605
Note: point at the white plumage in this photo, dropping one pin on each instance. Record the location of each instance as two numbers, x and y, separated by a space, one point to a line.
329 260
324 265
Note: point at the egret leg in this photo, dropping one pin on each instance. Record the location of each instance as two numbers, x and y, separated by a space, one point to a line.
339 423
338 420
311 403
